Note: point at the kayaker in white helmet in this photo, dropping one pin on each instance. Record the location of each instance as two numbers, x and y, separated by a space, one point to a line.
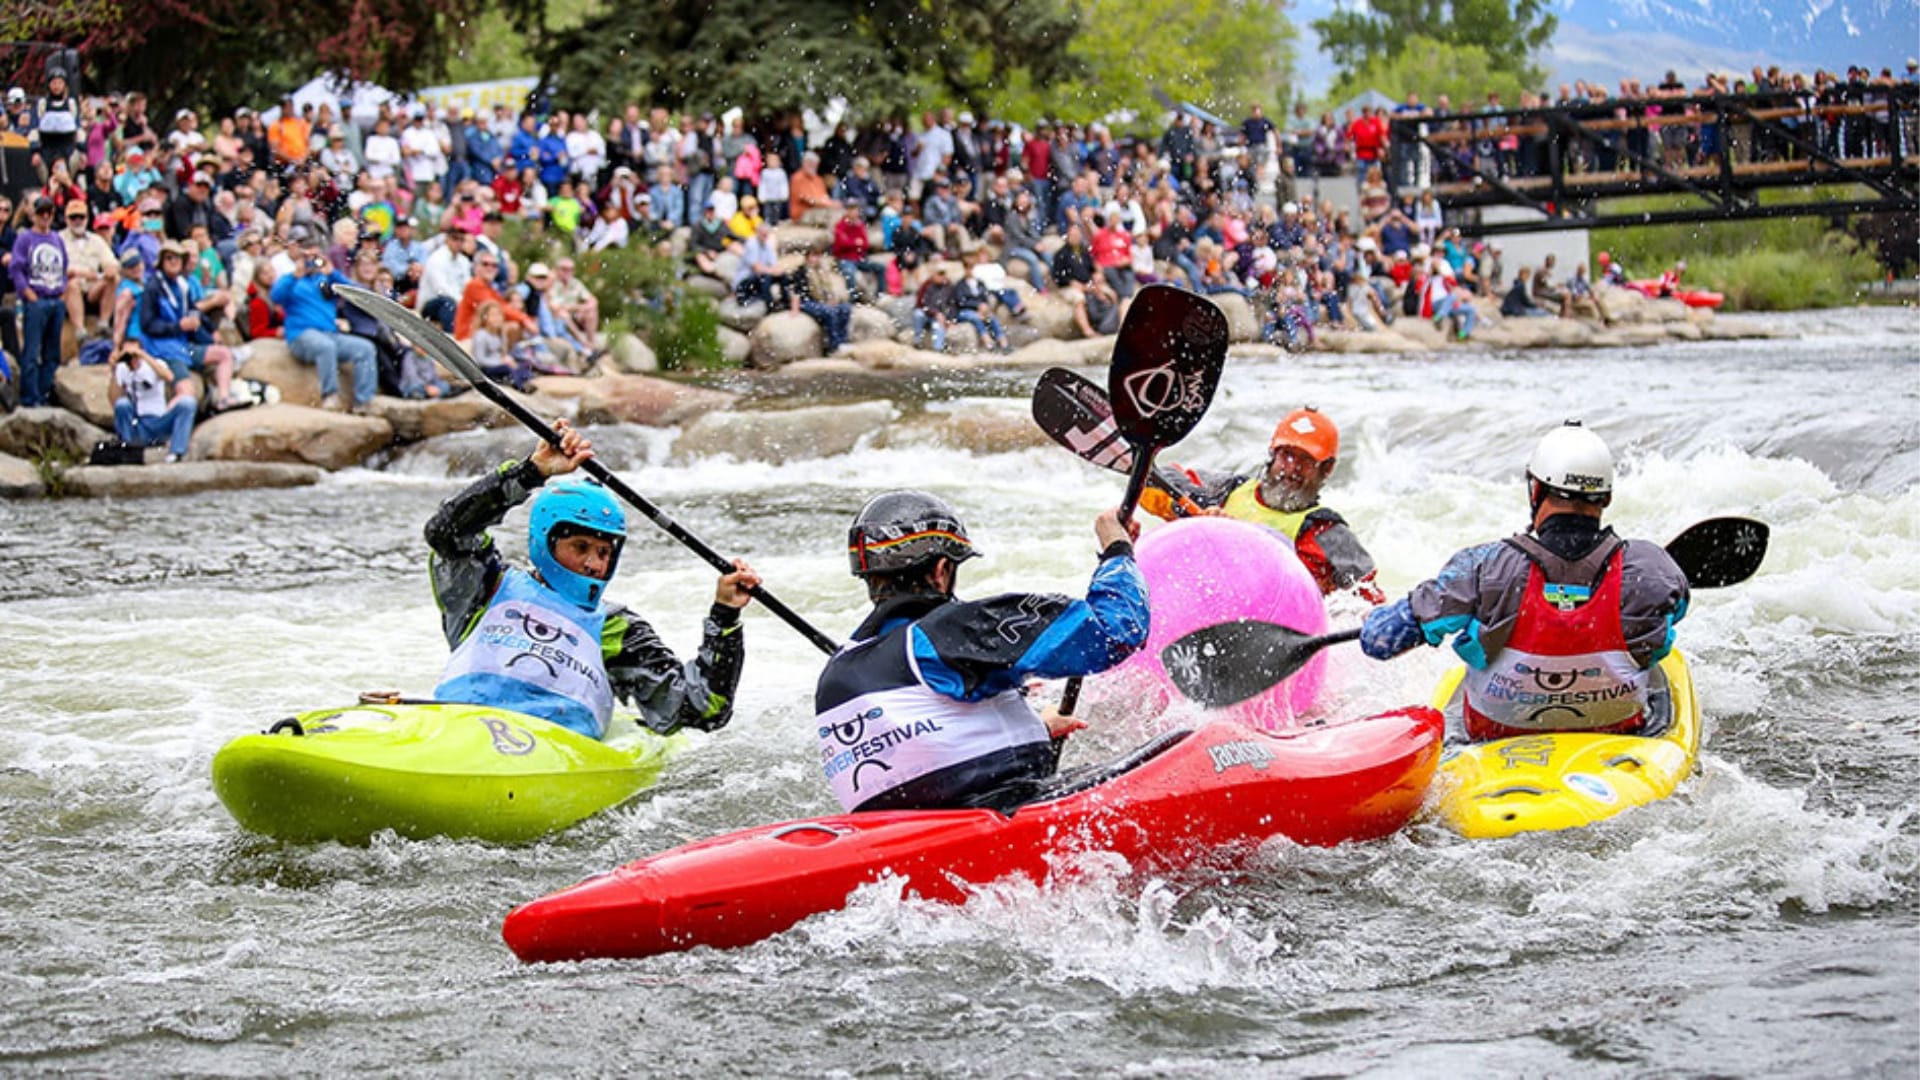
1559 625
923 708
1282 494
548 643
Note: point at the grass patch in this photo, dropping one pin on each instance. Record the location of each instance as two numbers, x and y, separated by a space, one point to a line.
1772 264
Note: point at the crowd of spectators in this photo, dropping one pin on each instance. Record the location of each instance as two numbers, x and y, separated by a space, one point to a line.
193 240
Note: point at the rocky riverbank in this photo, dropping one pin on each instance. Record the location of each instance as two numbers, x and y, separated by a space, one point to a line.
43 451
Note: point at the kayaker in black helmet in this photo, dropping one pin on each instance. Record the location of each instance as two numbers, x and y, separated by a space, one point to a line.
1284 495
923 708
1559 625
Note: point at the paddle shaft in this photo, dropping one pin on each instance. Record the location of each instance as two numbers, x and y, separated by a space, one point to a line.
444 349
1136 483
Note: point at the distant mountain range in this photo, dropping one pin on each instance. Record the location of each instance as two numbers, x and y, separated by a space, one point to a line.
1608 40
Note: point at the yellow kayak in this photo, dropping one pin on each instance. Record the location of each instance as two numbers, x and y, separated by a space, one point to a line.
427 769
1540 783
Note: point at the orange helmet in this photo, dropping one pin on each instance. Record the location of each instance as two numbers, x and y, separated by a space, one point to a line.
1308 431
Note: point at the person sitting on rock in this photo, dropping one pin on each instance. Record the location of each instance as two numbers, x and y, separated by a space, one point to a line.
850 247
759 277
973 305
143 414
810 293
171 314
934 307
1518 303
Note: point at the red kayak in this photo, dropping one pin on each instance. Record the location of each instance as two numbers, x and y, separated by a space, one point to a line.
1186 795
1655 289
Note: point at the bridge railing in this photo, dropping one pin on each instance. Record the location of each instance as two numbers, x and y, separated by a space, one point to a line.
1561 161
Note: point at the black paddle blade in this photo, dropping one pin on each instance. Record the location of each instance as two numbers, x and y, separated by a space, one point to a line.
425 336
1166 364
1230 662
1720 551
1075 413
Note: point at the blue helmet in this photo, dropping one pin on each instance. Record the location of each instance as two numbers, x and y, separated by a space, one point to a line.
566 508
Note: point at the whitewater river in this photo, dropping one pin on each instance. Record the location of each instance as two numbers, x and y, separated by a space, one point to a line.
1766 921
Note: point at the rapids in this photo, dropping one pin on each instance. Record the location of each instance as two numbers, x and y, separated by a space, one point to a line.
1766 920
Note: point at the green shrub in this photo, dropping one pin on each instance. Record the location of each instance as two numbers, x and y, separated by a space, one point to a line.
684 332
1771 264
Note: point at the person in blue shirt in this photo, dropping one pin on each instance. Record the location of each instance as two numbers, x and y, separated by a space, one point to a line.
483 150
923 708
553 159
312 327
524 151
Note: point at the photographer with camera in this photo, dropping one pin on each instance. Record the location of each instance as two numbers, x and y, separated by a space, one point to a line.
313 323
142 415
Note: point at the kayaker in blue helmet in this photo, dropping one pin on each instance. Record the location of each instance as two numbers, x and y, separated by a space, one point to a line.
923 709
1559 625
548 643
1284 495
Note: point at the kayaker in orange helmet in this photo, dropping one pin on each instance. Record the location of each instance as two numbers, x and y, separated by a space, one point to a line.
1284 494
1560 625
924 708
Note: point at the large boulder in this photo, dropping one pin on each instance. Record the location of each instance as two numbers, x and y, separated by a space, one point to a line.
185 478
787 435
735 346
290 433
299 384
19 479
899 309
86 391
631 356
725 266
711 288
1050 352
975 427
1375 341
963 338
1051 317
880 354
800 239
425 419
634 399
1242 324
42 430
784 337
870 324
741 317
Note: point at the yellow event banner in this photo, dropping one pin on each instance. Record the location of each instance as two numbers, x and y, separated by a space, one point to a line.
481 97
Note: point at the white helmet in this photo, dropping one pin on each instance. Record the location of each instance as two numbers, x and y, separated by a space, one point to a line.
1574 463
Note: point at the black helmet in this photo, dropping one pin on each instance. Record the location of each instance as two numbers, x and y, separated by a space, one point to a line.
900 530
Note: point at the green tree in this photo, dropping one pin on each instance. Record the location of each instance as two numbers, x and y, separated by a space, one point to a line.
222 53
770 56
1464 73
1509 33
1220 54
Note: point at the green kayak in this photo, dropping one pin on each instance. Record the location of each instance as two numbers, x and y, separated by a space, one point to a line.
426 769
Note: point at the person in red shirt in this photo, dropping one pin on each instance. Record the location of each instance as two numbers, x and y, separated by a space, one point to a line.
479 290
1113 255
1035 156
850 247
1368 134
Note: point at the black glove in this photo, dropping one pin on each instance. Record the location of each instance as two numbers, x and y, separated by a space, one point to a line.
327 290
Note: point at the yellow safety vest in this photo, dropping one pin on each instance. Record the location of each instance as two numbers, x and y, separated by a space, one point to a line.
1245 505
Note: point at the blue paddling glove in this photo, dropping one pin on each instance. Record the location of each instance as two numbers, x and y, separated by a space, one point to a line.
1390 630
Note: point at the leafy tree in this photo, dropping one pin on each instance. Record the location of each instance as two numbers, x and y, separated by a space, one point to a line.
769 56
1464 73
222 53
1508 32
1220 54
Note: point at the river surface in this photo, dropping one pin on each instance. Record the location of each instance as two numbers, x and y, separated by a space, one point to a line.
1765 921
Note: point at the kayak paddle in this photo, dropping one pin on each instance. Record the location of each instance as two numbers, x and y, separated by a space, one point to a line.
442 348
1166 366
1230 662
1076 414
